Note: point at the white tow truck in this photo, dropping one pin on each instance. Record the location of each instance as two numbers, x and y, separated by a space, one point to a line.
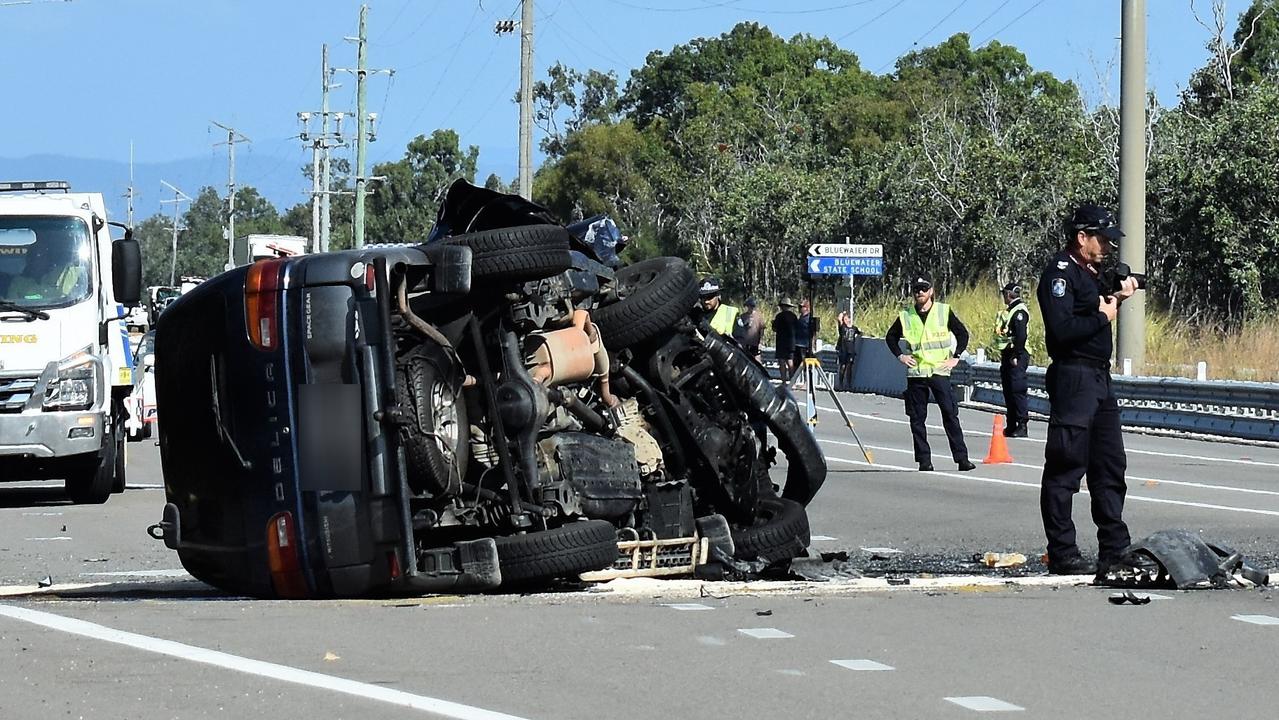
66 367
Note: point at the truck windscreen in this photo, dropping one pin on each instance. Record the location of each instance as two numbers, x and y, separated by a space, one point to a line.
45 262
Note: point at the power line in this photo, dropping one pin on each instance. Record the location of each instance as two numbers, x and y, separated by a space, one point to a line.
986 19
754 11
866 24
593 33
1010 24
926 34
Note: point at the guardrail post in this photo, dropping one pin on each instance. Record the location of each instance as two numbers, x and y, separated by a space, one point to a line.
1201 371
1127 366
981 355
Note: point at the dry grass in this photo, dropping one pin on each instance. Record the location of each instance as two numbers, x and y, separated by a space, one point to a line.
1173 347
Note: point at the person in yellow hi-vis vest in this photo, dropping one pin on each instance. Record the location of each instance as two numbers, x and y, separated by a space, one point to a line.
928 327
720 316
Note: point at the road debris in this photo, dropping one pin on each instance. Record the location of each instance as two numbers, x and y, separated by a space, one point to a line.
1000 559
1128 597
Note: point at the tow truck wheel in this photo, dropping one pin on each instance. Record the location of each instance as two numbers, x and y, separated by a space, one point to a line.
93 482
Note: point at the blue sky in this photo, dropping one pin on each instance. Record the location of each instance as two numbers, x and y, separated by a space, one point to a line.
83 78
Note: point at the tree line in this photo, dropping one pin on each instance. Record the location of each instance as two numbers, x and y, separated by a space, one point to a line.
738 151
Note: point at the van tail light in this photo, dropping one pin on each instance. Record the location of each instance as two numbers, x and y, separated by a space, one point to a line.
262 288
282 557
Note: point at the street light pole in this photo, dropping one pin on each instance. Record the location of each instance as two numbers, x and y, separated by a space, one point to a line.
1132 177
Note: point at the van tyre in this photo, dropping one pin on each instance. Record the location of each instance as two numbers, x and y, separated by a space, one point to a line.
653 295
517 254
780 532
566 551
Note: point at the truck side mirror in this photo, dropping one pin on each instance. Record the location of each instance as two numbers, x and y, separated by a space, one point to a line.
126 275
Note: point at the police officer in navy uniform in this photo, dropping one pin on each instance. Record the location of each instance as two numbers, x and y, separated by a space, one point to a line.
1010 339
1084 435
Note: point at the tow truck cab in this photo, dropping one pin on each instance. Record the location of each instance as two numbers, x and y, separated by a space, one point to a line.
65 362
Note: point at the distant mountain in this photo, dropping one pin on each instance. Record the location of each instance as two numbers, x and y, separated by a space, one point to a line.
278 179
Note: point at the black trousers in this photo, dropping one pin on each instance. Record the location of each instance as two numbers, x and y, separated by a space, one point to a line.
1084 438
1014 381
916 397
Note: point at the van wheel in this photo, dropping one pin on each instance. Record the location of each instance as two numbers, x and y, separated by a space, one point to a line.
517 254
652 295
437 440
780 532
566 551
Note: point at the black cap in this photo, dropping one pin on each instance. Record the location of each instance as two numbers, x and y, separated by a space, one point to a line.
1013 288
1095 218
921 280
709 287
750 302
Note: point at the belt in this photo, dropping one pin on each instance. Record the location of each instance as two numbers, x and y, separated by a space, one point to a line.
1086 362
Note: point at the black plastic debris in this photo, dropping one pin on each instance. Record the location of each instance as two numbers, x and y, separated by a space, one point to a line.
840 555
1128 597
763 613
1180 559
45 581
898 580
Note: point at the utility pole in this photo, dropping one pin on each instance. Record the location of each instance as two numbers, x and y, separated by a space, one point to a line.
128 193
233 136
325 218
365 122
178 197
1132 177
526 100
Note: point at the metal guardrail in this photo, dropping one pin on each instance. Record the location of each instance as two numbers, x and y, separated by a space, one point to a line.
1234 409
1246 410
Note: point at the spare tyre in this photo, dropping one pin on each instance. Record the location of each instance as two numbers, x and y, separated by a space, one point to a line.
653 295
516 254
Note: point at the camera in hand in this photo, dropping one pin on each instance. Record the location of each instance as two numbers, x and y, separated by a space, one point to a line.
1112 279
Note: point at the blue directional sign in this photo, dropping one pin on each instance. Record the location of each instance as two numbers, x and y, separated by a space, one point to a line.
846 265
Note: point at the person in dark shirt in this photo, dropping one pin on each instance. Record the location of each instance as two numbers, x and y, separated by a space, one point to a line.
784 337
748 329
805 327
1084 434
846 350
1010 340
927 328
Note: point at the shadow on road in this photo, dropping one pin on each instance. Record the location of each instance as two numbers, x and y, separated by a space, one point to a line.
42 496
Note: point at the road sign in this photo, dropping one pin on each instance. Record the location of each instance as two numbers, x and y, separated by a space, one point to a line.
845 250
846 265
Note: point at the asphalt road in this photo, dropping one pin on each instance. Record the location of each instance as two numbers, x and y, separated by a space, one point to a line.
141 640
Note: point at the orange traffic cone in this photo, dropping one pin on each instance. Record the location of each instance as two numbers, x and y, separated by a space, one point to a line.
998 445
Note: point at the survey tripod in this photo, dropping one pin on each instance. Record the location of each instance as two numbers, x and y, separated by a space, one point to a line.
812 373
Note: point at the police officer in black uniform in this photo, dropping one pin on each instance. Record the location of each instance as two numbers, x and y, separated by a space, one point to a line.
1013 359
1084 435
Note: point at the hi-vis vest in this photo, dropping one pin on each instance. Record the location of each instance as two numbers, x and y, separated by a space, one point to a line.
724 318
1004 335
929 340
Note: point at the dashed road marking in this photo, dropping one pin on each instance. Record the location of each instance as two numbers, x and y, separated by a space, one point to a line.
43 514
48 539
791 673
822 538
765 633
862 664
881 550
688 606
1256 619
711 641
982 703
138 573
250 666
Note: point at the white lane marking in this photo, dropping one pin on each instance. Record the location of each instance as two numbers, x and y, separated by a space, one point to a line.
896 421
822 538
139 573
144 486
1256 619
1135 478
688 606
48 539
982 703
227 661
711 641
881 550
862 664
791 673
765 633
997 481
44 514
